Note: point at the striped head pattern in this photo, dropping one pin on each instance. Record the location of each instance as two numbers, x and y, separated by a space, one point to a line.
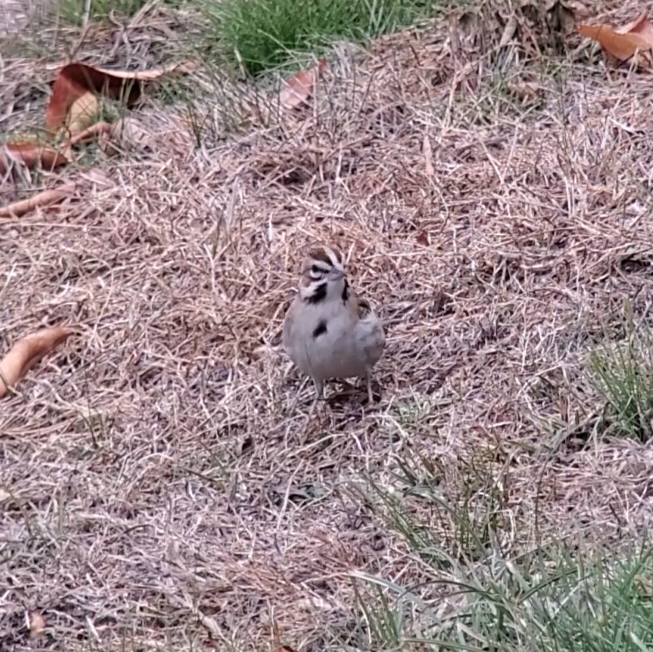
324 276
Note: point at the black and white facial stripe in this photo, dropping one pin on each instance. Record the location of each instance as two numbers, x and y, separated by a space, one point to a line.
318 293
321 261
324 265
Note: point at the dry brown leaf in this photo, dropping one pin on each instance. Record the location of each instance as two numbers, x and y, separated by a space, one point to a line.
27 352
562 16
423 239
83 112
126 134
299 88
621 46
577 8
31 155
36 620
97 176
154 73
45 198
469 25
428 157
509 31
641 25
77 79
525 91
90 133
210 624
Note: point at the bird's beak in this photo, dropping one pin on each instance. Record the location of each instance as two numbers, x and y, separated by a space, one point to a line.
336 274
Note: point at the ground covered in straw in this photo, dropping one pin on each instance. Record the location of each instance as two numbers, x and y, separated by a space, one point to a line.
161 483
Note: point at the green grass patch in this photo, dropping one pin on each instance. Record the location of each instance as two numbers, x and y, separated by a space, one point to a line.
459 523
73 11
623 373
477 592
555 599
263 34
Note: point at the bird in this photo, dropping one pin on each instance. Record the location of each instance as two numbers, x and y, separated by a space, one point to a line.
328 331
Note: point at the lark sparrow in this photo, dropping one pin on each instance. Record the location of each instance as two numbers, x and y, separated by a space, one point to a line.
329 332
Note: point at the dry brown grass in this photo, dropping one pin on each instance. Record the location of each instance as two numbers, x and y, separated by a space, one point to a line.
159 487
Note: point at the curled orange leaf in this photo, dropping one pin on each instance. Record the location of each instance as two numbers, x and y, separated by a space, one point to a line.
622 43
641 25
78 79
298 89
83 112
45 198
31 155
94 132
27 352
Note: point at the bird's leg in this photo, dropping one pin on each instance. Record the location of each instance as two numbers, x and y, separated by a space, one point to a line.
319 396
368 380
319 389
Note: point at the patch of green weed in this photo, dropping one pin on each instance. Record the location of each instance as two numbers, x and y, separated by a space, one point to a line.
461 509
262 34
73 11
623 373
553 600
473 593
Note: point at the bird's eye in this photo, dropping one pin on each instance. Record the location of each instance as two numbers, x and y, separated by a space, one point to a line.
315 270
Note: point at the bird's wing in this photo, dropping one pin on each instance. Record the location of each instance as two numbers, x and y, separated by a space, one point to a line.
363 307
370 330
288 324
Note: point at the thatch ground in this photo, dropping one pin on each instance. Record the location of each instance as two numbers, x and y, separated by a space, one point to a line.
160 480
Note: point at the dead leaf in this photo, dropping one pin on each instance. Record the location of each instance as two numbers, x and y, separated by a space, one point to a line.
210 624
90 133
468 25
27 352
428 157
423 239
36 622
641 25
97 176
77 79
576 8
45 198
31 155
128 133
621 46
82 114
265 351
525 91
562 17
152 74
509 31
299 88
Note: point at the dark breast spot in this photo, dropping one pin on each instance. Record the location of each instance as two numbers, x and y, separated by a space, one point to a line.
320 329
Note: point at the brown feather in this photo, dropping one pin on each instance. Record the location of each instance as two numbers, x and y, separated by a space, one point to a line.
321 254
363 307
